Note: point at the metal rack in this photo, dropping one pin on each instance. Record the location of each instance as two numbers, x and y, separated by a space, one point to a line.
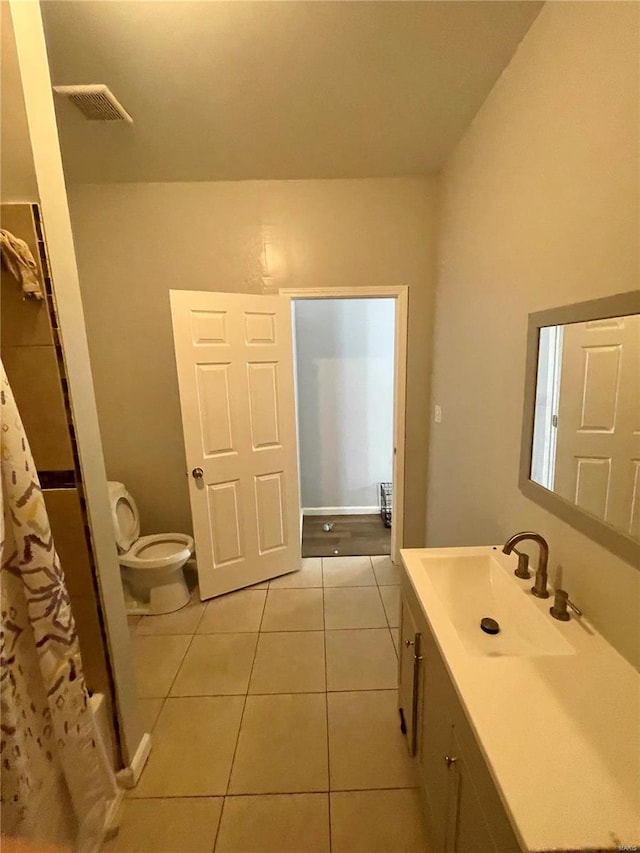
386 502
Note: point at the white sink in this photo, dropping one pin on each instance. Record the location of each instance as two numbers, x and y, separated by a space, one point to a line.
475 583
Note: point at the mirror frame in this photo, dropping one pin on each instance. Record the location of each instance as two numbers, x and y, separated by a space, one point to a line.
601 532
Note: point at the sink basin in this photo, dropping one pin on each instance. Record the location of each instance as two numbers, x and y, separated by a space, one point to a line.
477 583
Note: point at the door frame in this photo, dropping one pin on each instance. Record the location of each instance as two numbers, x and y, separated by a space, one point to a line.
401 295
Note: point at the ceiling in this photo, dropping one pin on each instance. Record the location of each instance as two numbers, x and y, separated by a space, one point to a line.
253 90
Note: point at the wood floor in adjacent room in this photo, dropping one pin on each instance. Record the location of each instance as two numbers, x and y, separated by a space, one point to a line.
352 536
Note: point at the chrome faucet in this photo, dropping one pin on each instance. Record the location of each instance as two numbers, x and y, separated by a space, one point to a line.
539 589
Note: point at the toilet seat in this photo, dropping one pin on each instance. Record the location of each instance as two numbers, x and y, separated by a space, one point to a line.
125 516
151 566
158 551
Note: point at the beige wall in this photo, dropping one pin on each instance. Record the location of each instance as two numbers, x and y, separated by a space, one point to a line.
27 349
539 209
38 105
29 357
134 242
17 172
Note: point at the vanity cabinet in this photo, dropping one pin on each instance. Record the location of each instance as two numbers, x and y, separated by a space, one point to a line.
464 811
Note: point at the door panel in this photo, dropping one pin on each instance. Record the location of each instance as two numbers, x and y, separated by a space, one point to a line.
271 508
600 388
208 327
214 401
592 485
598 437
263 404
235 375
226 522
259 328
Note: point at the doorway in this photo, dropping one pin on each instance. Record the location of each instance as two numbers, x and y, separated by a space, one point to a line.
234 359
350 365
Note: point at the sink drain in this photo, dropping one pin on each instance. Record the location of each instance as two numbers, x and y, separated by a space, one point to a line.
489 625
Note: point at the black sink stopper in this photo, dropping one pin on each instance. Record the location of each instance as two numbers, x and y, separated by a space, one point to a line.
489 625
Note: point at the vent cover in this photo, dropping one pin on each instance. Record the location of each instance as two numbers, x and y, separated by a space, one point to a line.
95 102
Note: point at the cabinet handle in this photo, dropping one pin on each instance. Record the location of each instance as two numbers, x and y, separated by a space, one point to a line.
450 760
409 643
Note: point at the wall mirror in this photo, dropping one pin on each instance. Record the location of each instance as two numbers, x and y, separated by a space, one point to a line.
580 456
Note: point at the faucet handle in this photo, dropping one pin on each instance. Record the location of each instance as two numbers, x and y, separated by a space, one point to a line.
523 565
575 609
559 608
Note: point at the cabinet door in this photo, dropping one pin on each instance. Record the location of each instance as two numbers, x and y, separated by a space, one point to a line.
467 830
465 814
435 740
409 687
486 795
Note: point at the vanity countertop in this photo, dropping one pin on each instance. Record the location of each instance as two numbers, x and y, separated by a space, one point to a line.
560 733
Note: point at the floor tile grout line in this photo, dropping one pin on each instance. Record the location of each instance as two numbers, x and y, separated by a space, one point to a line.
246 695
141 620
155 722
163 699
328 586
204 609
179 667
168 694
215 840
326 704
397 654
314 791
282 631
305 692
365 627
291 589
386 615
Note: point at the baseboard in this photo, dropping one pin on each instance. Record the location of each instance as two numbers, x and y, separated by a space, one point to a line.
128 776
113 818
341 510
102 718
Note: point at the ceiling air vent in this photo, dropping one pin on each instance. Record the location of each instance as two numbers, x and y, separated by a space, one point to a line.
95 102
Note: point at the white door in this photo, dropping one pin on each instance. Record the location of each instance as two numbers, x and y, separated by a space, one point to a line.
598 440
235 375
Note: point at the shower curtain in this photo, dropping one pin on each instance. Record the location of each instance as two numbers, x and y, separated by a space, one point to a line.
56 780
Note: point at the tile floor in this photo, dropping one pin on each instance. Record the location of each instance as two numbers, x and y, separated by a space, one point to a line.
274 720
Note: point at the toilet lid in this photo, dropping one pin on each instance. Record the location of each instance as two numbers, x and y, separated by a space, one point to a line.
124 512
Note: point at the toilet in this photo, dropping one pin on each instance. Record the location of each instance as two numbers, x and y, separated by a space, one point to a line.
151 566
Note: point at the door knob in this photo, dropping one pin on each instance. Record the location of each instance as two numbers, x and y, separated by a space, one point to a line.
197 473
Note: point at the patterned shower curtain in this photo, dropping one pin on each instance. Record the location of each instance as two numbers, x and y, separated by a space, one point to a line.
56 780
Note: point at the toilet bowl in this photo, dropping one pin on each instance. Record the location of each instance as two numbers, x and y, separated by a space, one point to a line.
151 566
